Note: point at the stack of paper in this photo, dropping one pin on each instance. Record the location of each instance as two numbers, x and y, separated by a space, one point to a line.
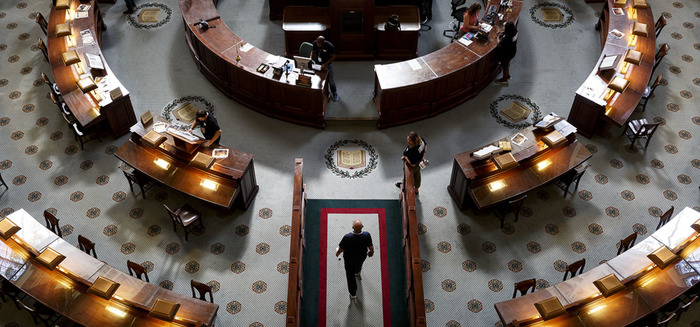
486 152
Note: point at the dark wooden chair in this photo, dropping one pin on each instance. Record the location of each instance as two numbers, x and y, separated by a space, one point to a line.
87 245
44 51
136 177
2 181
627 243
81 135
40 312
52 223
524 287
575 268
571 177
640 129
137 270
665 218
186 217
663 50
63 108
202 290
660 23
513 205
52 86
649 92
42 23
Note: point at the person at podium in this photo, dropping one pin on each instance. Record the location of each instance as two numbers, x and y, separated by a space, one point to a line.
210 127
323 53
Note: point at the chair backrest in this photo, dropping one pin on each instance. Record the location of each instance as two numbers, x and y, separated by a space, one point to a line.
42 47
44 25
457 3
202 289
87 245
648 130
627 243
137 269
660 23
516 204
46 79
174 216
579 172
575 268
52 223
663 50
77 129
657 82
665 218
305 49
524 286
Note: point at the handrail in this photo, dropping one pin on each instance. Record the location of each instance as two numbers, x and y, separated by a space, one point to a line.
414 272
296 248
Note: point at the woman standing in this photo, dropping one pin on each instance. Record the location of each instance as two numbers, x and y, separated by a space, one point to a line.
413 155
506 50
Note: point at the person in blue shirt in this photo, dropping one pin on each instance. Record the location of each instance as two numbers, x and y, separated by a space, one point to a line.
356 247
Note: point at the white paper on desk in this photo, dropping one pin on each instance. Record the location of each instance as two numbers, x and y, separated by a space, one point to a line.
565 128
246 47
465 41
486 27
272 58
316 67
415 65
83 7
95 61
80 14
486 152
617 34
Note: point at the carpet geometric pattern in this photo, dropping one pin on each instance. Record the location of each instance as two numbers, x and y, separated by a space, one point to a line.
469 263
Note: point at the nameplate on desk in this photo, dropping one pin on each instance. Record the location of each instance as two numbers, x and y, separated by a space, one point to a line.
116 93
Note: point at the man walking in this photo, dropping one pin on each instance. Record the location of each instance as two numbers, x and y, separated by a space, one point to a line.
357 246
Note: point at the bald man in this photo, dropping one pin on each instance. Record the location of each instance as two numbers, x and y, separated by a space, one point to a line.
357 246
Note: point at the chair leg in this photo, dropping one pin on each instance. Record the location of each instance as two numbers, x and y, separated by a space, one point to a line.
625 129
143 191
647 144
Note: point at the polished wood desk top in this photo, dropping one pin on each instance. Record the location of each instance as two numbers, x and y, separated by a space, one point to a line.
444 61
85 110
621 106
224 43
647 288
64 289
527 175
306 18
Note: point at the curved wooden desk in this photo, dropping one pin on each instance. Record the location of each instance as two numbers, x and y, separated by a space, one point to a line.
116 115
64 289
445 79
590 113
215 51
646 287
470 184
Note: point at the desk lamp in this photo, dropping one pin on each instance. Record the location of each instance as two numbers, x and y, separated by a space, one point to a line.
50 258
608 285
631 57
62 4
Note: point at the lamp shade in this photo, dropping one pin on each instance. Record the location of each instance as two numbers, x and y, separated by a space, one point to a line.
50 258
618 84
608 285
62 4
153 139
662 257
63 29
104 287
640 4
164 310
633 56
8 228
550 308
70 57
640 29
86 84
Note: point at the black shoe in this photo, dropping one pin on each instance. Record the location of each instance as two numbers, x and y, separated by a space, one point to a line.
398 184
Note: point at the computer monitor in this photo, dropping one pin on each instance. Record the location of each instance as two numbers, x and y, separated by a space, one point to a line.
302 63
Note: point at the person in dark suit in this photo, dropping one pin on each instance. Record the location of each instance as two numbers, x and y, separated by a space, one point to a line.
356 246
505 51
210 127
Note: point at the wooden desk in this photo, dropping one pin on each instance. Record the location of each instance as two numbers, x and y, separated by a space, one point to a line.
215 51
234 175
469 184
590 113
66 295
305 23
442 79
647 288
116 116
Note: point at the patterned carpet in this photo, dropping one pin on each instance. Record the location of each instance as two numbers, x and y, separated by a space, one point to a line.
469 264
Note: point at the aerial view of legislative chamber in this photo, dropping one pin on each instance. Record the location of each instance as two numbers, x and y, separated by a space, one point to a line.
309 163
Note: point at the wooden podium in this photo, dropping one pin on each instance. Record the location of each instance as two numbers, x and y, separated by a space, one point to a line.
352 28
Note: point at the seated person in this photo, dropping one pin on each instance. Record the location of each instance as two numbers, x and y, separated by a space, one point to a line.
210 127
470 21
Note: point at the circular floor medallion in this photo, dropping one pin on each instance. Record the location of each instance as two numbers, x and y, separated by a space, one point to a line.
150 15
508 99
198 102
552 15
351 158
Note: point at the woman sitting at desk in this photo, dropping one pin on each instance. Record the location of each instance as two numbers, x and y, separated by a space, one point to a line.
210 127
470 20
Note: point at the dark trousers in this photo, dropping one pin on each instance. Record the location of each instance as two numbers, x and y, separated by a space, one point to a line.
330 80
352 267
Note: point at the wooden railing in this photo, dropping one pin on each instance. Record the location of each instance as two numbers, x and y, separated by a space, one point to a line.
296 251
414 272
